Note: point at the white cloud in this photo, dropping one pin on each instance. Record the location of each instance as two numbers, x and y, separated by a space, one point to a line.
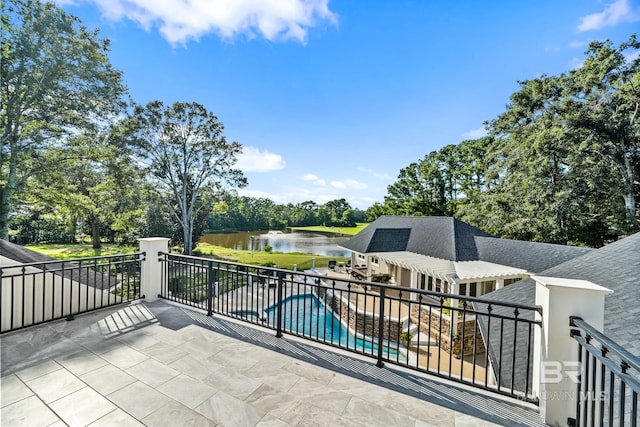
257 194
182 20
314 179
617 12
475 133
349 183
356 185
380 175
575 63
253 160
632 56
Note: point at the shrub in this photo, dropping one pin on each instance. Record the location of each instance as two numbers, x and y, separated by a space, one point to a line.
406 337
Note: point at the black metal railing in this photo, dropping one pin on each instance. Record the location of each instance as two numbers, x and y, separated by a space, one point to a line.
609 380
39 292
484 343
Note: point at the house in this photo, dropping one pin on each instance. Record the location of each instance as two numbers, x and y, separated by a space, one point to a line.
448 255
615 266
31 284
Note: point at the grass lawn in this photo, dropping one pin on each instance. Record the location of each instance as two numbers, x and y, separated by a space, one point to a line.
63 251
280 259
336 230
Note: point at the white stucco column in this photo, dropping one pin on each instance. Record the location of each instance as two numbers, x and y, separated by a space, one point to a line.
555 352
151 274
454 289
413 283
499 284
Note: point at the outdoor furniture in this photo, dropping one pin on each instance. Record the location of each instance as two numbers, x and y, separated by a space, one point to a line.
332 264
357 275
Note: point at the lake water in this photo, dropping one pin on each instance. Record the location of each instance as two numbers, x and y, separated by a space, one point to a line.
310 243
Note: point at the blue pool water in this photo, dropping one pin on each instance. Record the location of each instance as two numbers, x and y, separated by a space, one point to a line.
307 315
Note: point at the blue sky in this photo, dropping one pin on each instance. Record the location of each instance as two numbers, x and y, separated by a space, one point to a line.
330 99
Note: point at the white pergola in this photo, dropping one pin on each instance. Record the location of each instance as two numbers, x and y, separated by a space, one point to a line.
455 273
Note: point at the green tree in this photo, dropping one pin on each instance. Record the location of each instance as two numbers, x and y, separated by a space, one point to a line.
602 106
94 183
56 79
337 213
440 182
187 156
569 154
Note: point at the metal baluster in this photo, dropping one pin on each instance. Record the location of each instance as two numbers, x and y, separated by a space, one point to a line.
380 363
516 312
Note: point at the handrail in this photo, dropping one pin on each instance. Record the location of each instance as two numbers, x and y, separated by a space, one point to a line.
43 291
72 260
369 318
609 379
606 342
481 300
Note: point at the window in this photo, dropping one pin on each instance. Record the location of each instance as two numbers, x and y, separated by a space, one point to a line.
487 287
375 261
463 288
423 281
430 283
472 289
510 281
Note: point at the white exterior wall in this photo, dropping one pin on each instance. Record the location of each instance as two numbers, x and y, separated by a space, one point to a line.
27 300
553 346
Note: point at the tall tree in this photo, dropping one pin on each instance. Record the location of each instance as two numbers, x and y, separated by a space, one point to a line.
187 156
603 106
56 79
570 153
94 183
337 212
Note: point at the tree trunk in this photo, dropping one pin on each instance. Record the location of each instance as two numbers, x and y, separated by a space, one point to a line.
187 226
629 197
7 192
95 233
4 214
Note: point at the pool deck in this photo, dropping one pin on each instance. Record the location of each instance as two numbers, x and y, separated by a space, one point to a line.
159 364
432 357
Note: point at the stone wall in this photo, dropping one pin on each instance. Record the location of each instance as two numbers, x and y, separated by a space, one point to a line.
470 328
440 329
361 322
367 324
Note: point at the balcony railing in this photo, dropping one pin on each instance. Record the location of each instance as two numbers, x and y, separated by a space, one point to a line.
440 334
40 292
609 380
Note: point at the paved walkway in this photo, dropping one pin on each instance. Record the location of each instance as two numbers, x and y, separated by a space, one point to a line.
157 364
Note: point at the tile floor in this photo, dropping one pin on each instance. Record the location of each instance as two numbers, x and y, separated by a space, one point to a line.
158 364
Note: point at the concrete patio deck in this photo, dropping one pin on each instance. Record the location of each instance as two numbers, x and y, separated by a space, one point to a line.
159 364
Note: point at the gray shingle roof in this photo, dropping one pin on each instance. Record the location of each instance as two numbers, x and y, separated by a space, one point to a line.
454 240
615 266
439 237
21 254
531 256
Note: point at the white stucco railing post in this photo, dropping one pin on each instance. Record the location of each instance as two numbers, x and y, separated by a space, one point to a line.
555 354
151 270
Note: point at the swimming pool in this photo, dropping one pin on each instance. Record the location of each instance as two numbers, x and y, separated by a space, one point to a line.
305 314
